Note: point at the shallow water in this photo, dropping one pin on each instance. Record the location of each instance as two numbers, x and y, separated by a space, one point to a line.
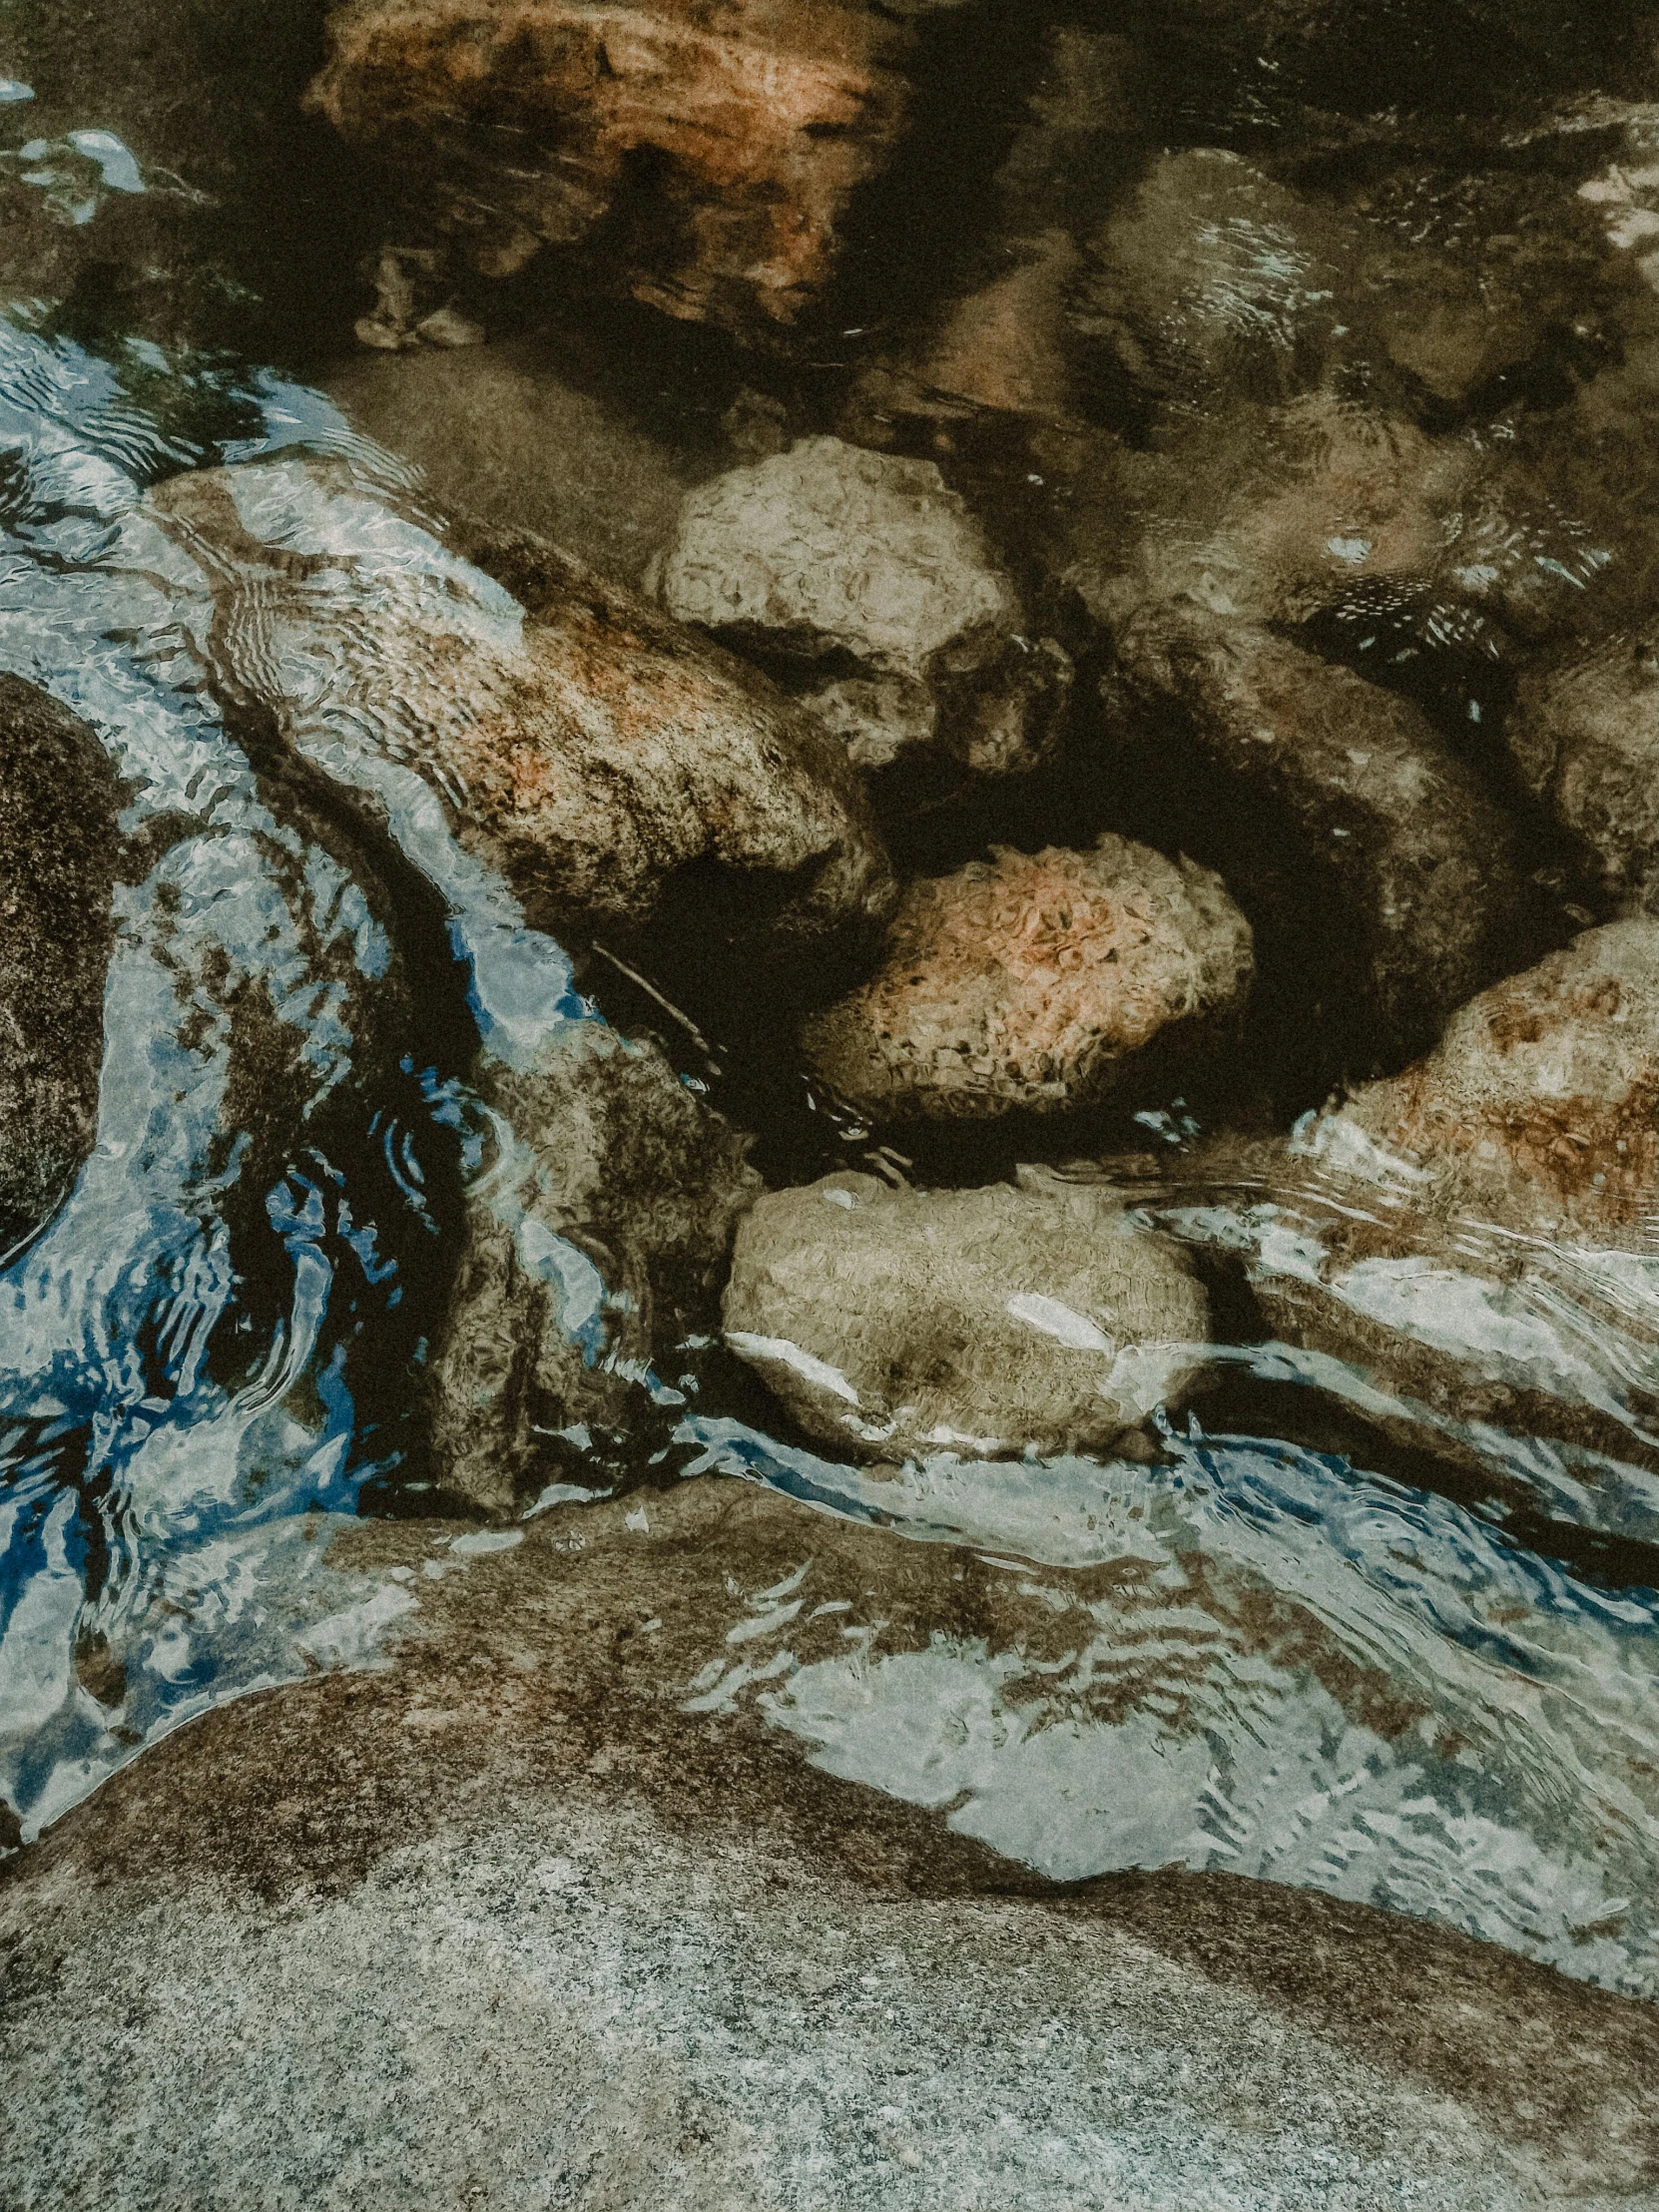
1331 1638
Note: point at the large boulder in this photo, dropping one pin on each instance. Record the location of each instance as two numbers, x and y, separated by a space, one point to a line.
712 153
597 1227
1389 829
502 1920
866 579
584 748
985 1322
1039 982
59 847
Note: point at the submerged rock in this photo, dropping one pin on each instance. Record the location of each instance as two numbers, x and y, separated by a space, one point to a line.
58 852
866 579
594 1240
498 432
889 1321
1039 982
1472 1238
583 747
1540 1107
708 153
1390 828
1585 735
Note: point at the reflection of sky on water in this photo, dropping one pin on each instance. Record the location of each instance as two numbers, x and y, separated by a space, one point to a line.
210 1350
1256 1658
175 1442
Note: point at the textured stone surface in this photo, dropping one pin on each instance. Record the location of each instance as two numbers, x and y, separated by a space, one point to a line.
1471 1236
1038 982
1540 1107
1585 735
498 432
58 853
587 748
888 1322
1391 825
593 1243
504 1923
731 136
829 553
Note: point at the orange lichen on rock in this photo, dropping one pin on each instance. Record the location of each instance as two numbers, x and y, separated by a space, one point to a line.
1032 981
747 125
1540 1106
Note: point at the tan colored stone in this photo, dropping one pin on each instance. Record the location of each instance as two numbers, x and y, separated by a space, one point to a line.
893 1321
587 748
830 552
1034 983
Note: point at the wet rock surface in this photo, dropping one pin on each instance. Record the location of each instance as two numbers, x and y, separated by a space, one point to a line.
1400 835
697 1960
870 576
501 435
59 851
597 1238
1048 1318
582 745
713 151
1039 982
1585 735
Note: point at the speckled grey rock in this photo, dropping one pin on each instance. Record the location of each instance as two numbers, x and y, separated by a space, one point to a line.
1392 828
890 1322
1040 982
595 1237
578 743
58 852
829 554
505 1924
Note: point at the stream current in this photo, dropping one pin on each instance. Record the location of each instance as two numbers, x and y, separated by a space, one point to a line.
1274 1652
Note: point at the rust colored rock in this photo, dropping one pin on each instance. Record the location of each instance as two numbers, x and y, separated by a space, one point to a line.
1539 1108
580 745
1039 983
726 137
1466 1247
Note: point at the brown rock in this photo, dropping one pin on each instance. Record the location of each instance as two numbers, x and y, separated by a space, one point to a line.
589 749
1037 982
732 136
1585 735
594 1242
1470 1239
1540 1107
1392 827
58 850
985 1322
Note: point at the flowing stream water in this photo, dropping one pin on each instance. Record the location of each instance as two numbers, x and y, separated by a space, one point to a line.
1331 1638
